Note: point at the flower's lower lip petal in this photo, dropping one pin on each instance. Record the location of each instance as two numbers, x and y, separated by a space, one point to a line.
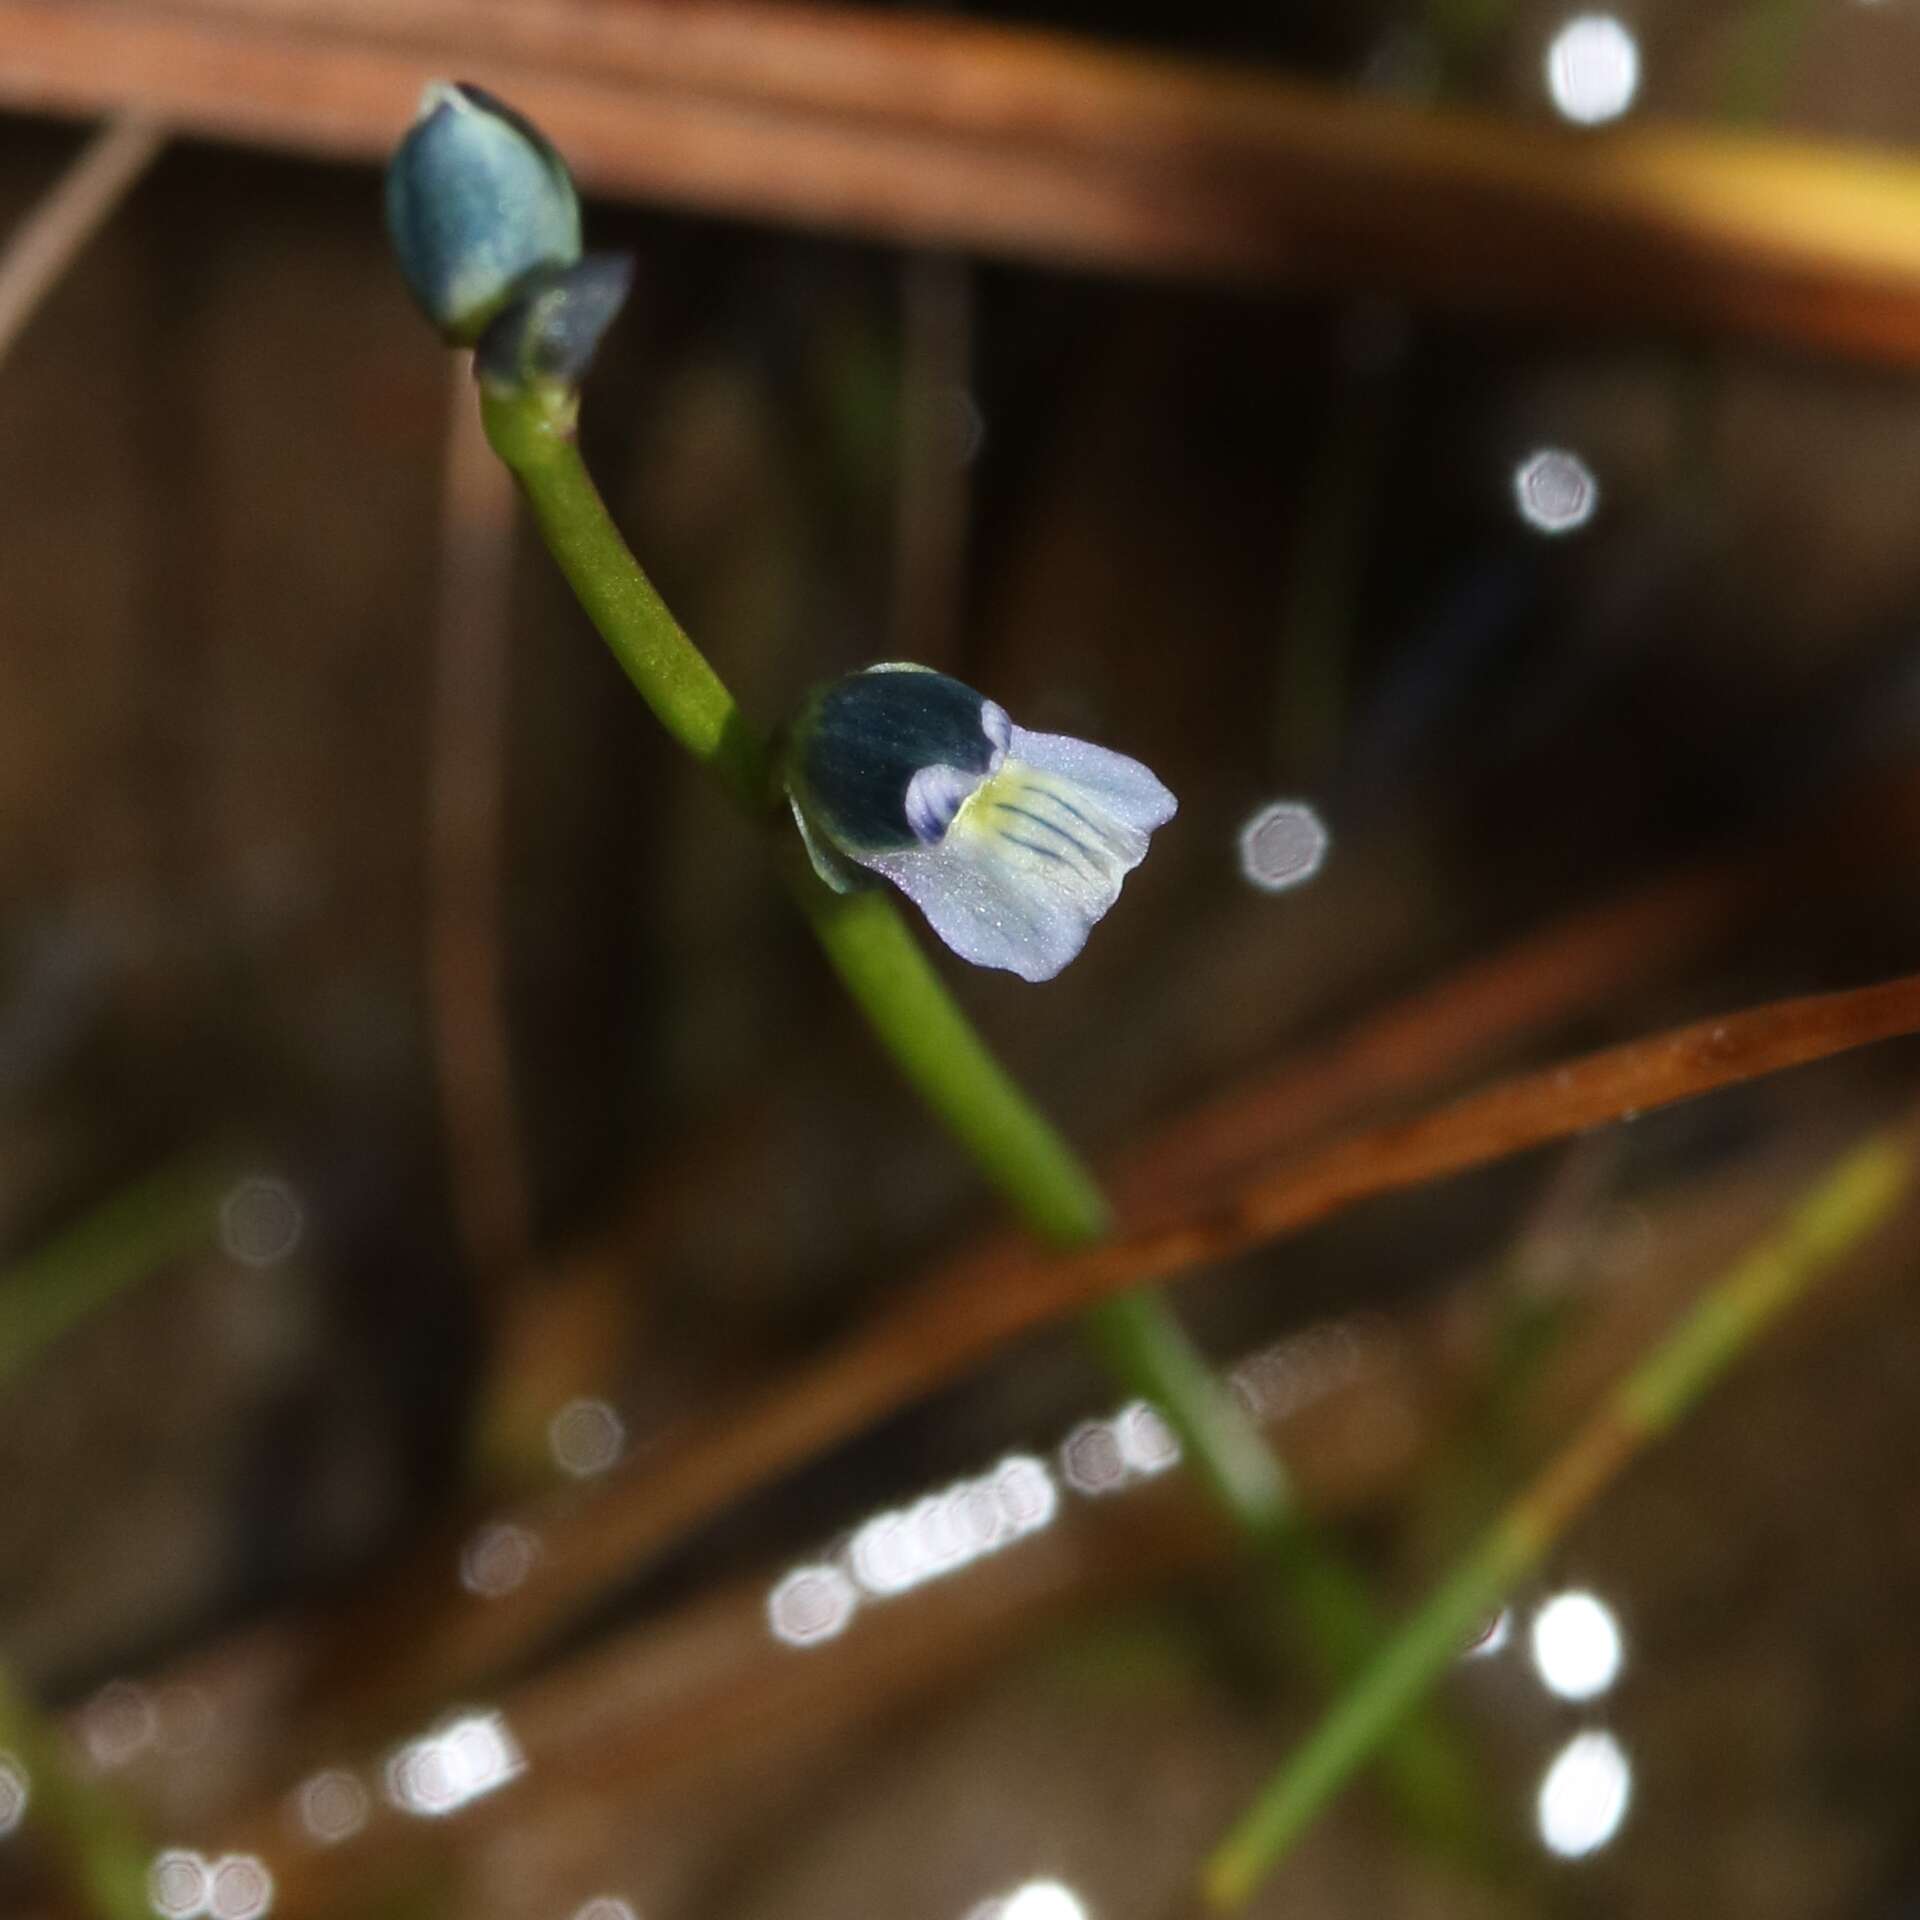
1123 787
988 908
1028 866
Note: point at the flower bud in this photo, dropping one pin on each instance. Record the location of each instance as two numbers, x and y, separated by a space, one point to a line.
476 201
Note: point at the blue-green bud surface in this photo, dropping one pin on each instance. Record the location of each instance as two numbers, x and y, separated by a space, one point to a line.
476 201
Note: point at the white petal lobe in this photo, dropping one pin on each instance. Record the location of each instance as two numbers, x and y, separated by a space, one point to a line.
1035 855
1124 787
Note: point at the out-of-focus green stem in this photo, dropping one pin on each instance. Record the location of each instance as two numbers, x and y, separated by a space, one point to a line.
887 972
1842 1208
95 1840
865 940
934 1045
1143 1345
532 429
1766 38
1327 1613
120 1243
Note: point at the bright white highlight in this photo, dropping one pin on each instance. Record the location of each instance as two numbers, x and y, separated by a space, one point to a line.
1576 1646
239 1888
899 1550
1593 69
1555 491
905 1547
1043 1900
442 1771
1103 1456
1283 845
332 1806
14 1794
607 1907
179 1885
586 1437
1585 1795
812 1604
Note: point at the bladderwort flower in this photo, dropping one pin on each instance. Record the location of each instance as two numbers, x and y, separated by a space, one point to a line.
477 201
1013 844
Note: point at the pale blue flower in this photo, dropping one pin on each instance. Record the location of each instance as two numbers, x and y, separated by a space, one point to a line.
1013 844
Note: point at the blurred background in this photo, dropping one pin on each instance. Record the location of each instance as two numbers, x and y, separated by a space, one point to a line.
449 1463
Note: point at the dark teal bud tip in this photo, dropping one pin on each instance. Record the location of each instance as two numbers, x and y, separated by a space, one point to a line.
552 327
476 201
859 742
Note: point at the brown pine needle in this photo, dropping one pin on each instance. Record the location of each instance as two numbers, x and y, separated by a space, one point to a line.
593 1540
39 251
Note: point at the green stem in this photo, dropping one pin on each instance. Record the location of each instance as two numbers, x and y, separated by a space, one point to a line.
1851 1200
128 1237
96 1840
888 974
934 1045
532 430
1327 1613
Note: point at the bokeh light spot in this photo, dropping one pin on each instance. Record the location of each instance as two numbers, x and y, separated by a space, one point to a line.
1044 1900
586 1437
333 1806
1555 491
1283 845
118 1724
15 1792
239 1888
1091 1460
1576 1646
497 1560
178 1884
810 1605
261 1221
1593 69
1585 1795
459 1762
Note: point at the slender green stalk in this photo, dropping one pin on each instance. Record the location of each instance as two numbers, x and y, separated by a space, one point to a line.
123 1241
1847 1203
888 974
1143 1345
532 430
934 1045
94 1839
